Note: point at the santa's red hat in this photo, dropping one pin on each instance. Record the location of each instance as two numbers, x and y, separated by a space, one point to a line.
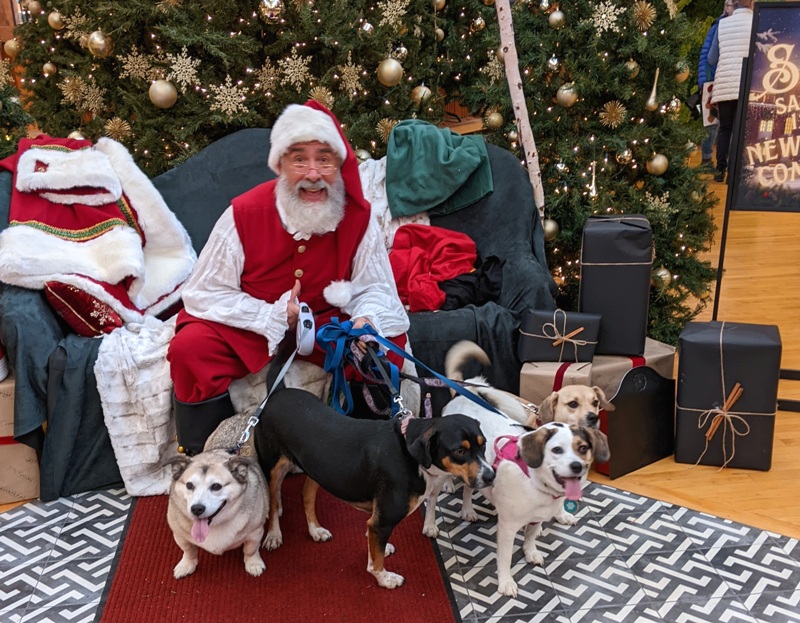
314 122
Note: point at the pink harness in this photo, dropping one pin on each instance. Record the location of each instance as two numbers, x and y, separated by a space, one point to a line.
509 452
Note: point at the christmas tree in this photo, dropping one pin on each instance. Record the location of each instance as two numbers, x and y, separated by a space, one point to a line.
14 120
166 78
603 85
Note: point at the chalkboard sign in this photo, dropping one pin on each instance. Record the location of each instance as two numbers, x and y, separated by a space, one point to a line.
766 136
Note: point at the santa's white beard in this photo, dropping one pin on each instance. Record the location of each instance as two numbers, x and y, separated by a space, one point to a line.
310 217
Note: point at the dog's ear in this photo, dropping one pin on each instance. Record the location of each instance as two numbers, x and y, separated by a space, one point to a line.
599 443
178 464
601 396
547 410
531 446
239 467
418 441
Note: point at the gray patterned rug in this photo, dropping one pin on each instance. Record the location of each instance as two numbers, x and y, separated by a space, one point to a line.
629 559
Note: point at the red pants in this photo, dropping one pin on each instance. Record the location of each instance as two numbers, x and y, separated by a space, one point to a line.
205 357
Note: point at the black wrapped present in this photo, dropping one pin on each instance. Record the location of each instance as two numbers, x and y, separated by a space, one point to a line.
727 394
616 260
557 336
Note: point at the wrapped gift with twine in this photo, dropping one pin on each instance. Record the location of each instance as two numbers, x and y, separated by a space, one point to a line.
557 336
727 394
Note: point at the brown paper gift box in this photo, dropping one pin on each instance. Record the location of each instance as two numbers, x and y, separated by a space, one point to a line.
19 465
536 381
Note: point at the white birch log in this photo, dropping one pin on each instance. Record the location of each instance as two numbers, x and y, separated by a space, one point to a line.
514 79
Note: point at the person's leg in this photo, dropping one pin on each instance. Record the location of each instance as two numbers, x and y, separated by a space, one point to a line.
202 366
707 146
727 114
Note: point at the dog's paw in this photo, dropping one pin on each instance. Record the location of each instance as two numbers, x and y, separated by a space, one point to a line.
254 565
533 556
320 534
449 486
389 550
183 568
507 587
567 519
273 540
431 531
387 579
469 515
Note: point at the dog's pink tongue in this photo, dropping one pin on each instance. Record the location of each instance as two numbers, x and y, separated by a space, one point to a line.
200 530
572 488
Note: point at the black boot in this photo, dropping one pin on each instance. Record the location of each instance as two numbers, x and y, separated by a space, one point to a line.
195 421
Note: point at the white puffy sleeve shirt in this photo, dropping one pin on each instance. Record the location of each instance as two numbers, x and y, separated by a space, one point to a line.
214 290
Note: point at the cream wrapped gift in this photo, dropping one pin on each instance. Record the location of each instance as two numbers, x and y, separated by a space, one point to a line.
19 465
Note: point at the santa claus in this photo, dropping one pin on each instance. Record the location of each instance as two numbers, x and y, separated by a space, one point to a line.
306 236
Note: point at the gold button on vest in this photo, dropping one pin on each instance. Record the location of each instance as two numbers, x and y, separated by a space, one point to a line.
301 248
298 273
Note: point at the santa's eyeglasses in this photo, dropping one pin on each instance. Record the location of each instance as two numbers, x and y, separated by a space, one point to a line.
323 166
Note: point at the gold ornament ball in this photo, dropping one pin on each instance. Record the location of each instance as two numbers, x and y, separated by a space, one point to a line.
494 121
478 24
77 135
163 93
270 11
674 105
681 72
11 48
567 95
367 28
34 7
512 136
401 53
551 229
48 69
420 94
488 2
500 55
624 156
100 44
663 276
363 155
632 67
390 72
55 20
657 165
439 34
556 19
438 5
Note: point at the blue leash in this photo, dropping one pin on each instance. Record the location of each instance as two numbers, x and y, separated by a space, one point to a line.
335 338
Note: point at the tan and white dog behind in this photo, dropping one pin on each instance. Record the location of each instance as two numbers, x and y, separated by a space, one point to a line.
217 502
537 470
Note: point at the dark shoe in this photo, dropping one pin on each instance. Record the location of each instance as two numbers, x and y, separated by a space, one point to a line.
719 176
195 421
707 166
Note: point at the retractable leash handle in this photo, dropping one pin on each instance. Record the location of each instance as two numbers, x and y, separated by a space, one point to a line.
305 331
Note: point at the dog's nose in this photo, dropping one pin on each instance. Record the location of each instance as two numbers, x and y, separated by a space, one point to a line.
488 476
576 467
592 419
198 509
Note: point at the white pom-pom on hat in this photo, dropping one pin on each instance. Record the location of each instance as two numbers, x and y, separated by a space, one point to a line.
338 293
302 124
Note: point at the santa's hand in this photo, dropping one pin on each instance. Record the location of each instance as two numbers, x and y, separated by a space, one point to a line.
293 306
358 323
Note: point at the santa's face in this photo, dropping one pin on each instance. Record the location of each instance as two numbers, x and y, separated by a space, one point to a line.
310 190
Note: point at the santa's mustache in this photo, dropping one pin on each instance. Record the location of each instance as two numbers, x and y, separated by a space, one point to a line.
307 185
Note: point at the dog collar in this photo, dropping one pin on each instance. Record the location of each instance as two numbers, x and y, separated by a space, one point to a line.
216 512
509 452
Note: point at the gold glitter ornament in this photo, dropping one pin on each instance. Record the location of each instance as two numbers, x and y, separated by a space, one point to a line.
493 121
163 93
632 67
385 127
117 128
271 11
390 72
49 69
100 44
624 156
613 113
34 7
478 24
644 14
56 20
12 48
322 95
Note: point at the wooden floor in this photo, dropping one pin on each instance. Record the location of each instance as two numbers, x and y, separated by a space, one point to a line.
761 285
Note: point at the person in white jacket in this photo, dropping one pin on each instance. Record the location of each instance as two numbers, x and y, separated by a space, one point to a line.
728 51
